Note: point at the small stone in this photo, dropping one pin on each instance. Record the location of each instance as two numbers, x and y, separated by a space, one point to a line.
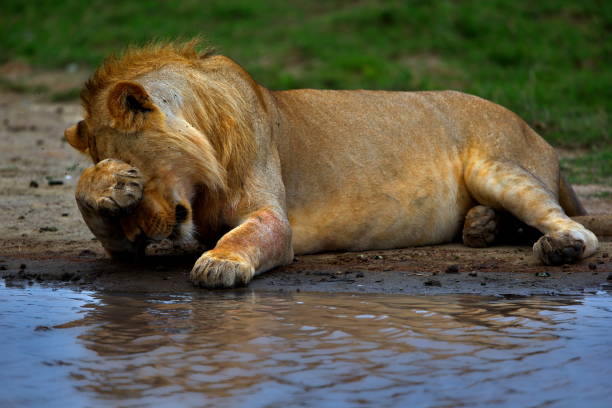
483 283
432 282
359 275
452 269
605 255
472 273
33 184
609 277
65 214
378 257
87 253
47 229
542 274
592 266
56 182
22 266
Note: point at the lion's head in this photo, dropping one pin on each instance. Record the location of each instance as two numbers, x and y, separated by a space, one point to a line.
182 118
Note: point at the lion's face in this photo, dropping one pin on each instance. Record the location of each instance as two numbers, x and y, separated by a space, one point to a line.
132 128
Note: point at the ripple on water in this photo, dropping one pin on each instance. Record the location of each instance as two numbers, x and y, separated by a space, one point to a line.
302 349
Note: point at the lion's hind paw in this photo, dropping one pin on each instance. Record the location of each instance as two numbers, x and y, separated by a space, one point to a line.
481 227
559 249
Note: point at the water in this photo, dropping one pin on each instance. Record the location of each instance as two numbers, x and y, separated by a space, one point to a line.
61 348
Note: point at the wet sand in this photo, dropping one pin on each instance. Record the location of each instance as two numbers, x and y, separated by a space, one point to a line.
41 229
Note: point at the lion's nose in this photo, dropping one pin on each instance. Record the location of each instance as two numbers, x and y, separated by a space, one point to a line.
180 213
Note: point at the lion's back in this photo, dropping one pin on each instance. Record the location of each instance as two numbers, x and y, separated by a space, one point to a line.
376 169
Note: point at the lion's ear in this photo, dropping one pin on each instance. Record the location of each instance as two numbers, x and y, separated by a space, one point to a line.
77 137
130 106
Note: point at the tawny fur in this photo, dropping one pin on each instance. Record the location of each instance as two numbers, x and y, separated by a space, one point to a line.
310 170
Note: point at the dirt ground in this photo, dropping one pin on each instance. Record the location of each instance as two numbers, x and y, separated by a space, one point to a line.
43 238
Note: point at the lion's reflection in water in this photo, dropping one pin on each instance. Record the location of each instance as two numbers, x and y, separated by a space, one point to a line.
258 349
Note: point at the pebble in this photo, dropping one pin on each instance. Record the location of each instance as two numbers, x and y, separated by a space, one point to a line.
33 184
609 277
87 252
472 274
542 274
592 266
452 269
47 229
432 282
56 182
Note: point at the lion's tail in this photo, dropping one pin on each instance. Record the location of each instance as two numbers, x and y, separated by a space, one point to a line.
599 224
568 199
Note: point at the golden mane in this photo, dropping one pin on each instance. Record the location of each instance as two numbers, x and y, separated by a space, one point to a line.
135 61
217 103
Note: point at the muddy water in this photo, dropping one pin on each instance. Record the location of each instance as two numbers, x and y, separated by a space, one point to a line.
63 348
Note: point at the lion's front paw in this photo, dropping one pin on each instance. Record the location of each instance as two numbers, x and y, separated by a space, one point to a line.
558 249
221 271
110 188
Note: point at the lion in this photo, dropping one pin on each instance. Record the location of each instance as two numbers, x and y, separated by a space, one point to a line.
187 146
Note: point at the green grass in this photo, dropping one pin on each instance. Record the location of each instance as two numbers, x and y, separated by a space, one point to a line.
592 168
603 194
549 61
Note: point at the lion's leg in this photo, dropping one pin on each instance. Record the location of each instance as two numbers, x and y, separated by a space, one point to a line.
105 194
258 244
502 185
